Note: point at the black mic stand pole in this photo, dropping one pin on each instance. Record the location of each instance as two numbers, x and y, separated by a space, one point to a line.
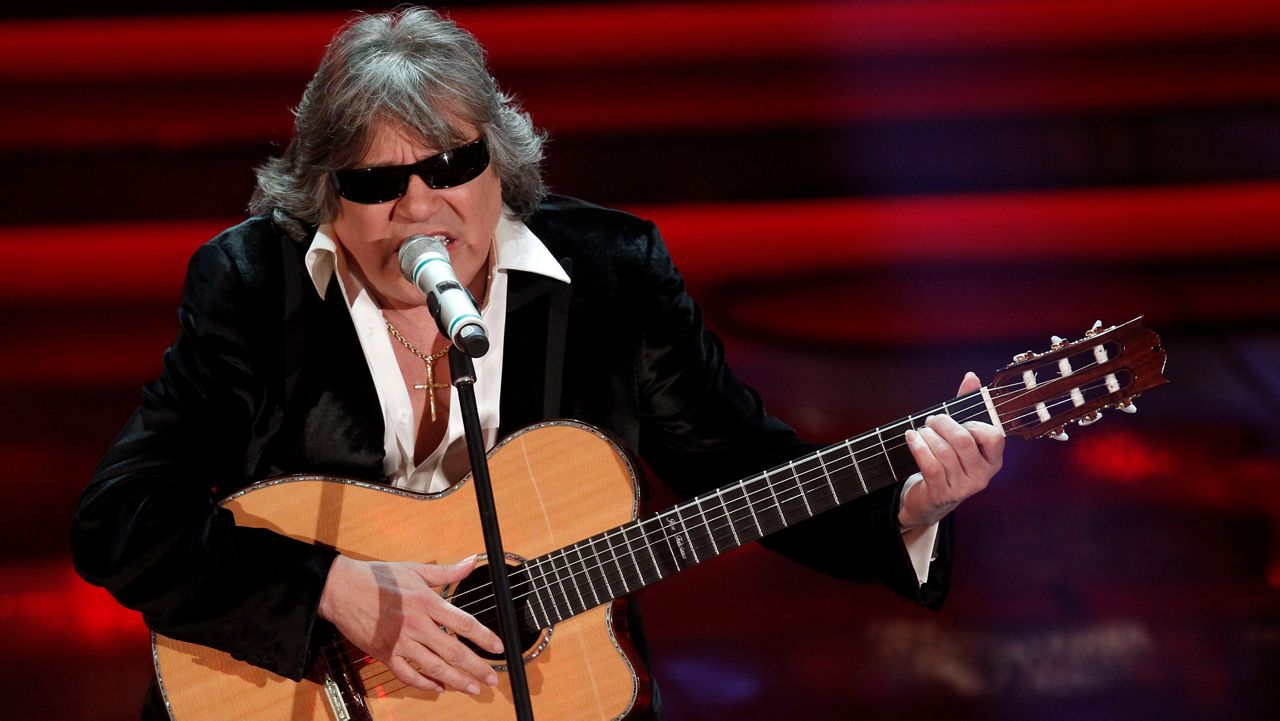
463 373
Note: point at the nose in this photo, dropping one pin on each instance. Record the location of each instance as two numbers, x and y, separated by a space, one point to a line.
419 201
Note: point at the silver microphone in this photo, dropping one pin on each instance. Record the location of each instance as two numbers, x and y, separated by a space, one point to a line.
425 263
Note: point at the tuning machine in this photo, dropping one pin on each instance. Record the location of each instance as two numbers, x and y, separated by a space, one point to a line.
1024 356
1089 419
1096 329
1127 406
1059 434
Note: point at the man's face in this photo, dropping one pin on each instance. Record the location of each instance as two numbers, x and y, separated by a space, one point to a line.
465 214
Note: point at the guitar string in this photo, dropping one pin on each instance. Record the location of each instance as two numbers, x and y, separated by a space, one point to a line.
376 675
979 403
458 601
728 513
799 478
633 563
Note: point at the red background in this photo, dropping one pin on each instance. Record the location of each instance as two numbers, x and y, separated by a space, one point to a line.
932 186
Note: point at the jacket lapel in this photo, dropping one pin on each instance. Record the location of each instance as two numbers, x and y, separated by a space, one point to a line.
334 420
533 348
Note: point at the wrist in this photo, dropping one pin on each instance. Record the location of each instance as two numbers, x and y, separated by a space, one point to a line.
336 580
908 519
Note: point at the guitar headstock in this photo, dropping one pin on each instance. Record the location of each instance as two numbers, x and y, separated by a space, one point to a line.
1040 393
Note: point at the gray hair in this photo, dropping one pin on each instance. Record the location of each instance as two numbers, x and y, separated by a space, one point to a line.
411 67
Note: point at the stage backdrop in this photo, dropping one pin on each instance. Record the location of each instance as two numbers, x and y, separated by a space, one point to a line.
868 198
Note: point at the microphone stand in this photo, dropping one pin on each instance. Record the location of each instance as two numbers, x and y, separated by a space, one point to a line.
463 373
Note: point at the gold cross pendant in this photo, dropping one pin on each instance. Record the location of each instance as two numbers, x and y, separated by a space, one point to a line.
430 386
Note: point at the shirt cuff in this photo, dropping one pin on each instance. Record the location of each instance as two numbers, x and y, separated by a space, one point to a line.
921 543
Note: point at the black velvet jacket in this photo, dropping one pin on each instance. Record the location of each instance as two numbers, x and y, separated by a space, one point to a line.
266 378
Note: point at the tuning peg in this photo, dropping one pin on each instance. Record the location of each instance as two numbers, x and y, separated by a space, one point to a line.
1059 434
1056 342
1024 356
1089 419
1094 330
1128 406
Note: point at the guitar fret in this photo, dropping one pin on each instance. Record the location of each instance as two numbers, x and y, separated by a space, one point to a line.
906 463
652 557
827 474
753 490
781 514
586 574
617 563
550 593
720 522
633 559
804 496
538 589
794 505
818 486
946 410
564 554
603 573
853 458
746 499
879 437
707 525
837 465
729 515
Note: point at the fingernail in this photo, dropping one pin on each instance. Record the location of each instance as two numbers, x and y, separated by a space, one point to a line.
473 689
491 679
912 436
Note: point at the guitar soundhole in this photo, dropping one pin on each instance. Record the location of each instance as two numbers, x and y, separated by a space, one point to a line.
474 594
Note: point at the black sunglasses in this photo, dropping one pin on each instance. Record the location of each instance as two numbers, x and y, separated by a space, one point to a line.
389 182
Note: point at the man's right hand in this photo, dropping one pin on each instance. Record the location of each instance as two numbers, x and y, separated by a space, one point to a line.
392 612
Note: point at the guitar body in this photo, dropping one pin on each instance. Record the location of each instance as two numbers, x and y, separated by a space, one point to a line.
553 483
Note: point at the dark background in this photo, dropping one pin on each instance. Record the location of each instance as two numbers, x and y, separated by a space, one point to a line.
869 198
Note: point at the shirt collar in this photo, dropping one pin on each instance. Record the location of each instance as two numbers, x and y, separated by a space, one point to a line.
515 247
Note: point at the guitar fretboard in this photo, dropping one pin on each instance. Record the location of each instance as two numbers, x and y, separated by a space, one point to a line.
611 564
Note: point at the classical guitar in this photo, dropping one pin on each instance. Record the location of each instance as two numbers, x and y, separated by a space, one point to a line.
576 553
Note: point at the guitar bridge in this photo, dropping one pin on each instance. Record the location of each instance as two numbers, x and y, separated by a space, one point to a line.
342 686
334 694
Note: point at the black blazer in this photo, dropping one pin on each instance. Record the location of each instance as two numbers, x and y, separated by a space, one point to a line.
265 378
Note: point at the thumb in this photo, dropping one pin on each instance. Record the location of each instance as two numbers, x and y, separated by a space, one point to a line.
970 383
439 575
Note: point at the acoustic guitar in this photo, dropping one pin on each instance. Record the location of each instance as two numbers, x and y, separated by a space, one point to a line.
568 499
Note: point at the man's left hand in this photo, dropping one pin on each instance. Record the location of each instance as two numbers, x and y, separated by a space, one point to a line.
956 460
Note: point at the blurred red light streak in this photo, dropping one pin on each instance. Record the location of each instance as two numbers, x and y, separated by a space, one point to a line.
48 604
638 33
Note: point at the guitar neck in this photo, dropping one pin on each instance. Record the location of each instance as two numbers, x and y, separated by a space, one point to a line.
609 565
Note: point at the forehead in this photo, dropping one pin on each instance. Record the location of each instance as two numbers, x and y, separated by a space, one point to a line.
393 143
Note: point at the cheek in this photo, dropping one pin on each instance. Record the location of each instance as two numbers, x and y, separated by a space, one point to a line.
359 225
489 200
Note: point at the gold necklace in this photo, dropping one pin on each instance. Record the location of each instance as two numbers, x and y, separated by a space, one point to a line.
430 360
